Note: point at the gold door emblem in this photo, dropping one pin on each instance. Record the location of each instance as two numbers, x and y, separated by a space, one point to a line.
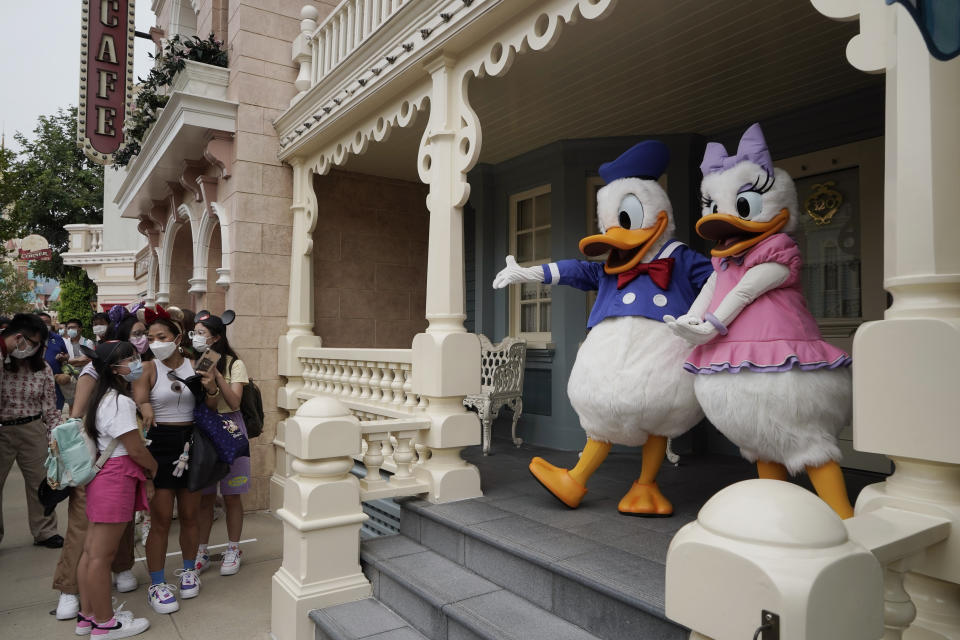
823 202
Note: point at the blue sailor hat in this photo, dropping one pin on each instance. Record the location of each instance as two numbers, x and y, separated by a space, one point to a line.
646 160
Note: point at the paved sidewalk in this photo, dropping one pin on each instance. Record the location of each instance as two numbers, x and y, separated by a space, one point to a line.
235 607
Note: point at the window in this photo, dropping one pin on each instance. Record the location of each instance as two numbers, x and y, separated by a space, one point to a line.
829 238
530 222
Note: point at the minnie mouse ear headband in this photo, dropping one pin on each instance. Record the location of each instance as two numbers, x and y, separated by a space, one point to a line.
214 323
149 315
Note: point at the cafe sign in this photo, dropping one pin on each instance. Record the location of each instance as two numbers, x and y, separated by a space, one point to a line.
34 247
106 76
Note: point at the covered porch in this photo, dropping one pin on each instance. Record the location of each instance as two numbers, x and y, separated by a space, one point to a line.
437 93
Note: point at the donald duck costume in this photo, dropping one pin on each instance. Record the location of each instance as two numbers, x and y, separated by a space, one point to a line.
627 385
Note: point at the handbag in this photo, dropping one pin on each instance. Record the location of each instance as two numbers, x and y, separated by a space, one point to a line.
205 467
224 432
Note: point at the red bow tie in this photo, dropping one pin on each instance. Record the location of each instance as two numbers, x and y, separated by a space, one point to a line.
658 270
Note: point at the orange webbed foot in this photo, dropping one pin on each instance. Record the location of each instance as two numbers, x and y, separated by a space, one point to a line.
558 482
645 500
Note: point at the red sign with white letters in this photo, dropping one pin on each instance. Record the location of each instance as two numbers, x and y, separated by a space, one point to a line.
106 74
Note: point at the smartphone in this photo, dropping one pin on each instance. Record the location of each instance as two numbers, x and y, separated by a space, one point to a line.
210 358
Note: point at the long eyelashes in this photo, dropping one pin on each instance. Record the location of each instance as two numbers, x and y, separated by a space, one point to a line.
761 184
768 181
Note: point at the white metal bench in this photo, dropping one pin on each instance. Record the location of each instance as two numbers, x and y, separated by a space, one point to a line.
501 384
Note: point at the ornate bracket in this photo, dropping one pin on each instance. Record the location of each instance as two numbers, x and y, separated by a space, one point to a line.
192 169
218 151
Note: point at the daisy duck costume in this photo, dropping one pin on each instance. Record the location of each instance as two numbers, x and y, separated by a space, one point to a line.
627 385
764 376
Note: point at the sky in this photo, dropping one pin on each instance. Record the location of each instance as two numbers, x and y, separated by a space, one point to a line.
40 59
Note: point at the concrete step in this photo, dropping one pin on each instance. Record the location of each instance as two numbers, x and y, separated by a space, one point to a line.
366 619
446 601
604 575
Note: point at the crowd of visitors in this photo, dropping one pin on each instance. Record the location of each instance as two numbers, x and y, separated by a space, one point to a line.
134 386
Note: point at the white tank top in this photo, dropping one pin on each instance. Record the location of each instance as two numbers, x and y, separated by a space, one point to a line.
170 405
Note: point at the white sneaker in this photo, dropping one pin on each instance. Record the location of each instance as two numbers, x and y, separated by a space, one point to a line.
161 598
68 606
231 561
202 563
124 626
189 583
125 581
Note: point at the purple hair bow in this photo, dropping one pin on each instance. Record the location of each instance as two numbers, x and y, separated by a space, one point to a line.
752 147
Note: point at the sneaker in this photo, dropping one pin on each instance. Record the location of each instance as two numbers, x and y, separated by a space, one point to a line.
84 625
120 626
161 598
231 561
202 563
189 583
68 606
125 581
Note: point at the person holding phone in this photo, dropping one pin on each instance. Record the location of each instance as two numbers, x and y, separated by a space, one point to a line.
223 382
167 409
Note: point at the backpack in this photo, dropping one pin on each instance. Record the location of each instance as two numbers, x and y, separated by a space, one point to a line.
251 407
72 456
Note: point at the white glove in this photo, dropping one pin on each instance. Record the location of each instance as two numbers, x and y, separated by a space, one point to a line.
691 329
514 273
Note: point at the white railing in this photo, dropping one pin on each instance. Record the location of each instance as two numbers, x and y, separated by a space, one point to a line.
371 382
391 445
85 238
346 28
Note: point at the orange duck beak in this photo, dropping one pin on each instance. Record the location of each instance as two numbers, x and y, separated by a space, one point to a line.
626 246
734 235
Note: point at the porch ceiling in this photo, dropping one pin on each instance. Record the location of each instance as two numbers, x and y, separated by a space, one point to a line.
653 66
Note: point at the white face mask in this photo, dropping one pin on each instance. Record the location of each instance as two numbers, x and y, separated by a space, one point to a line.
200 343
72 333
24 351
99 329
163 350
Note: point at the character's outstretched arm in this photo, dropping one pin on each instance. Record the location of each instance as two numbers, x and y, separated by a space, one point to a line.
755 282
575 273
514 273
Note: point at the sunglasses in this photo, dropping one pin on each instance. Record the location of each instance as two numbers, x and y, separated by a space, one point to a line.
175 386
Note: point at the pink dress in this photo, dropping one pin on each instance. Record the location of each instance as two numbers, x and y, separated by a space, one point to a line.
776 332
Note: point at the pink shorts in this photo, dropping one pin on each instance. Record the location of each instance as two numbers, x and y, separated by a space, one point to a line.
117 491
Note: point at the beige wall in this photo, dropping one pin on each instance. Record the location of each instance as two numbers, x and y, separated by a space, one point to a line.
370 260
257 198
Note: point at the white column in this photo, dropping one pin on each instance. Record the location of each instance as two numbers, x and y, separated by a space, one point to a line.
446 359
300 303
299 306
321 515
904 367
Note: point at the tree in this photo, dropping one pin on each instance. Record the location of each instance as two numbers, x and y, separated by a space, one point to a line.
14 290
50 183
76 291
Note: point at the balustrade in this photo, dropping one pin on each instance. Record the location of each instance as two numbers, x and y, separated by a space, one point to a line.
372 382
85 238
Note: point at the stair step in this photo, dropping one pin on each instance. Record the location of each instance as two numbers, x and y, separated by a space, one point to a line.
607 589
366 619
444 600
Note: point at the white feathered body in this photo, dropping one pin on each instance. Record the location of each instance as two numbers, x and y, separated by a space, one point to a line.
628 382
791 417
